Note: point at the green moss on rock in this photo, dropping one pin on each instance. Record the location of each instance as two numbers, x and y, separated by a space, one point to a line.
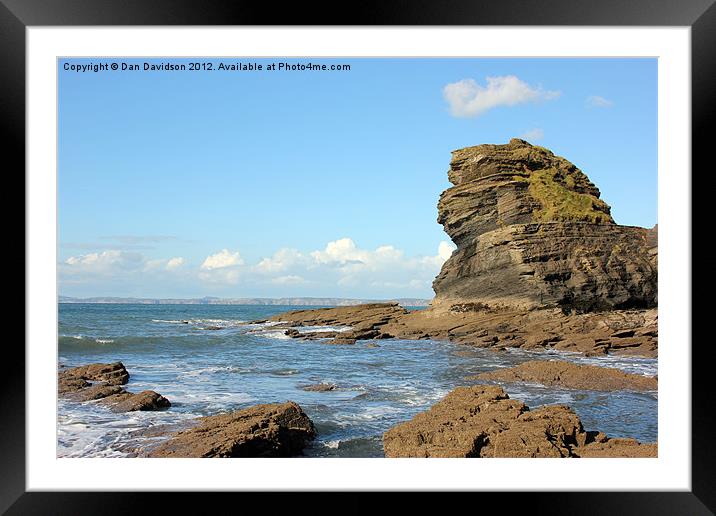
560 203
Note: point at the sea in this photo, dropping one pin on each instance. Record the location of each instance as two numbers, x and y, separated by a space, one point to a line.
177 351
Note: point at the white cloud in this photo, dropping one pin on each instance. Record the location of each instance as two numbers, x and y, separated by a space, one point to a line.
222 276
597 101
533 134
280 261
116 262
445 250
466 98
174 263
107 261
341 268
222 259
342 251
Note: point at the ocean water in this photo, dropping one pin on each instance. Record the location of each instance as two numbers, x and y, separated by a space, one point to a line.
204 372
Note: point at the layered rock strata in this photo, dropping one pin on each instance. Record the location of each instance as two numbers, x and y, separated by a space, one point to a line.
271 430
532 232
482 421
103 382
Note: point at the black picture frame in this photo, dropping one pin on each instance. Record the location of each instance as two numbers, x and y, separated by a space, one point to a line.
700 15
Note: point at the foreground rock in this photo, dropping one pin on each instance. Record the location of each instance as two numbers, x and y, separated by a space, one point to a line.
102 382
531 231
572 376
482 421
273 430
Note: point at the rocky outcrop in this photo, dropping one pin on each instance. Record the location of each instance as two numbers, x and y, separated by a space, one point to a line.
362 318
532 232
273 430
482 421
102 382
625 332
79 377
559 373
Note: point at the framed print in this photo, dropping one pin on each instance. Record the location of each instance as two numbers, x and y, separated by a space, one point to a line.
327 252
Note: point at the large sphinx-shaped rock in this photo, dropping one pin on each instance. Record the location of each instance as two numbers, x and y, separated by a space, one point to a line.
532 232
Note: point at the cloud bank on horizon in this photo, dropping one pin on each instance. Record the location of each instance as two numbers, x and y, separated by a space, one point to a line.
340 266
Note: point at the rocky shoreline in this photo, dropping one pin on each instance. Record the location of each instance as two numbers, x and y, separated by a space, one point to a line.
540 265
471 421
620 332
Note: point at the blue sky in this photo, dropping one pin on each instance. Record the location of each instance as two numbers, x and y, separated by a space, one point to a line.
302 183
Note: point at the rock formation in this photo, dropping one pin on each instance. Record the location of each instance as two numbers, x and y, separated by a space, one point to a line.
482 421
531 232
626 332
560 373
102 382
273 430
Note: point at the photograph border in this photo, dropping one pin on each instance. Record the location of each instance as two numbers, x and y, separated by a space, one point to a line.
16 16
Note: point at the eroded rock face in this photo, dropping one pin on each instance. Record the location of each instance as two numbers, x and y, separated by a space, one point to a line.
572 376
532 232
272 430
482 421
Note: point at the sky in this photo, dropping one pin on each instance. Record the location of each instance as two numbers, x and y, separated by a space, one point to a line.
276 183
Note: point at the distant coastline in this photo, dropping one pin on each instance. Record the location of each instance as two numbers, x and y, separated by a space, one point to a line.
283 301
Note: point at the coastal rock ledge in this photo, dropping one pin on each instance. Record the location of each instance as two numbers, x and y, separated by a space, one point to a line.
482 421
271 430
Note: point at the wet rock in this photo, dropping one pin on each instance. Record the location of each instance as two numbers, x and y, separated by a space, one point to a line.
95 392
68 385
291 332
76 384
342 341
318 335
142 401
273 430
320 387
211 328
570 375
365 334
482 421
